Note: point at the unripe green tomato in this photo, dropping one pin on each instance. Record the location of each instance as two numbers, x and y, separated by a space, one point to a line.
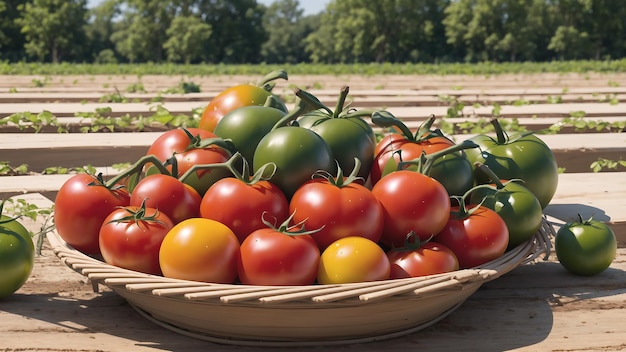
246 126
17 256
297 153
516 205
585 247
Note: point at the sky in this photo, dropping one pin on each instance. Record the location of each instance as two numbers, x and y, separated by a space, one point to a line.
310 7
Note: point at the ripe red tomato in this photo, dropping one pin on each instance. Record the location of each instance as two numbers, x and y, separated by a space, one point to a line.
273 257
200 249
476 238
353 259
188 152
429 258
80 207
241 206
386 157
176 199
338 210
411 202
130 238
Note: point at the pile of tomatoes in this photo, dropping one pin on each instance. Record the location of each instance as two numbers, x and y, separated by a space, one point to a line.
261 195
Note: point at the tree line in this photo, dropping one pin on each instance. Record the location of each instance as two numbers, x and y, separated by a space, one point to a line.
347 31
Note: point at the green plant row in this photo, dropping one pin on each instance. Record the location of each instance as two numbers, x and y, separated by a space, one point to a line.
486 68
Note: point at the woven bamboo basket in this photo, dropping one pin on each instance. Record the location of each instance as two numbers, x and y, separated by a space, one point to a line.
298 315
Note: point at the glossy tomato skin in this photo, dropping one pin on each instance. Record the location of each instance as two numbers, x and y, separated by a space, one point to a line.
475 239
349 210
17 255
176 199
271 258
242 206
134 244
348 138
233 98
80 207
353 259
585 248
176 143
411 202
516 205
527 158
297 152
429 259
386 157
200 249
246 126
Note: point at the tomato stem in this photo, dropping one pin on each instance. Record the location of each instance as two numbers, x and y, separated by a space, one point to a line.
136 169
267 82
228 164
343 95
387 119
501 135
426 161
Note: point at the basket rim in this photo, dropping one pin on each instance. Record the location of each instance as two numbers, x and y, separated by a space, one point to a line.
99 272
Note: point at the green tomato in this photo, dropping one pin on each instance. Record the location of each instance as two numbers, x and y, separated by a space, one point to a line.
454 172
585 247
246 126
297 153
516 205
347 137
522 156
17 255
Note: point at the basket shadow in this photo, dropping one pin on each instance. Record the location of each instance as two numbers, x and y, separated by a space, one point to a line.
568 212
515 311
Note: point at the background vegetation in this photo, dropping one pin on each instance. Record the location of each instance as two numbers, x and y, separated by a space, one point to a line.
347 31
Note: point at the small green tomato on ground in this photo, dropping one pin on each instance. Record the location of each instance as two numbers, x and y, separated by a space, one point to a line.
17 255
585 247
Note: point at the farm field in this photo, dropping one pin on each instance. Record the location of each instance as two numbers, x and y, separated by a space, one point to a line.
535 307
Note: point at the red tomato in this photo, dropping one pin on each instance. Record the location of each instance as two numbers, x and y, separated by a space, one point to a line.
200 249
130 238
411 202
386 157
177 143
339 211
241 206
429 259
477 238
177 200
80 207
270 257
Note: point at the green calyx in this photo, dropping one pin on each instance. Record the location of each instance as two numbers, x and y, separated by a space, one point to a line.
423 133
339 180
138 215
290 230
426 161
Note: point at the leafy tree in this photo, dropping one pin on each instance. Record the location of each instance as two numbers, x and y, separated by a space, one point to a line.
379 31
187 36
237 30
142 31
286 28
99 29
52 28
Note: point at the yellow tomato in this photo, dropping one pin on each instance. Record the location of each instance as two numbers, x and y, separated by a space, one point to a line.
353 259
200 249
